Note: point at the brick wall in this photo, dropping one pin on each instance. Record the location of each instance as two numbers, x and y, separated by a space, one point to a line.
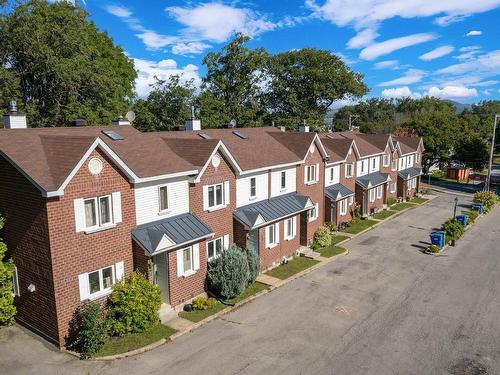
76 253
142 262
314 191
27 237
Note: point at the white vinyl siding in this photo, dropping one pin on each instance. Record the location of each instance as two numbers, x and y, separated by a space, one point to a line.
188 260
332 175
290 228
98 283
362 167
243 189
272 235
147 202
97 213
290 181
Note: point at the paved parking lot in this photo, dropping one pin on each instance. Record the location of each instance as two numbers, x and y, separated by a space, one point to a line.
385 308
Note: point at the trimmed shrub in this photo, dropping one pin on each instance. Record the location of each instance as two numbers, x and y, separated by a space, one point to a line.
228 275
203 303
391 201
453 229
133 305
437 173
322 237
434 249
331 225
253 265
7 308
487 198
472 216
356 210
87 330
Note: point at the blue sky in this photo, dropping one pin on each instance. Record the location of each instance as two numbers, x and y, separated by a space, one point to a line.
443 48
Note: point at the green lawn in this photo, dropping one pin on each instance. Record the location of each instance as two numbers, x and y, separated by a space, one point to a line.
198 315
360 226
339 238
117 345
419 200
330 251
402 206
382 215
294 266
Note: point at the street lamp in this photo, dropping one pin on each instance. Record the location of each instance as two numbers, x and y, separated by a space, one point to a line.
455 208
488 177
350 120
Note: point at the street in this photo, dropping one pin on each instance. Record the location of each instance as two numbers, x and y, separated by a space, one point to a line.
385 308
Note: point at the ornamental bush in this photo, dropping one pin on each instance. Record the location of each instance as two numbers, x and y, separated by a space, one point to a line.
87 330
434 249
487 198
133 305
228 275
322 237
331 225
472 216
453 229
204 303
7 308
391 201
253 265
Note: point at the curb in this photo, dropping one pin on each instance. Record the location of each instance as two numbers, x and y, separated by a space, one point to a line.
132 352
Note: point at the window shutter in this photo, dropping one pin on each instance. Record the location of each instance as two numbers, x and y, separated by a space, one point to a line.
180 265
205 198
266 229
79 214
83 281
285 230
196 256
305 173
277 230
117 207
226 241
317 172
227 192
119 271
294 221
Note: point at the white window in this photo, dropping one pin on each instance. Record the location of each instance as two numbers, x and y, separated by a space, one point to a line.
98 283
379 192
351 200
409 161
283 180
343 207
348 170
15 283
311 173
163 198
92 214
372 195
272 235
312 214
214 248
253 187
393 187
290 228
188 260
374 163
417 158
362 166
215 195
387 160
401 164
394 164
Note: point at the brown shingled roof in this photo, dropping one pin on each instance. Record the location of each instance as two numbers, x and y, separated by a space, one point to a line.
337 148
408 144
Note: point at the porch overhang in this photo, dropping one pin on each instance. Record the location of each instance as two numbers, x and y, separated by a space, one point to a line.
170 233
337 192
409 173
373 180
261 213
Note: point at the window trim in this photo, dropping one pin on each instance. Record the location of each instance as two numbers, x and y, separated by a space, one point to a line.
283 181
312 174
388 160
97 213
253 187
349 175
343 206
393 184
269 244
214 241
289 223
164 210
379 191
372 192
315 209
216 206
191 258
103 291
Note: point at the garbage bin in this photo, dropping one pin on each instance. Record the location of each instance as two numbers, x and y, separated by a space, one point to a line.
437 238
462 219
479 207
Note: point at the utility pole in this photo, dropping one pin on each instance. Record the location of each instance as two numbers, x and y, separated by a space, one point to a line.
488 177
350 120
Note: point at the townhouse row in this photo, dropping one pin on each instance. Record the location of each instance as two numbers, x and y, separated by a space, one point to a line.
85 206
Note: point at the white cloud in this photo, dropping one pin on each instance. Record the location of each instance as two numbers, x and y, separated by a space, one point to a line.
467 53
448 20
154 41
119 11
450 92
486 65
189 48
362 39
486 92
436 53
400 92
411 76
474 33
147 71
218 22
387 64
383 48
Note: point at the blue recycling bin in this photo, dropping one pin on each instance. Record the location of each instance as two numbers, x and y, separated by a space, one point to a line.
437 238
479 207
462 219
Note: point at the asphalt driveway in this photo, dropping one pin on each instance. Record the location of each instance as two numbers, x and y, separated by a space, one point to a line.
385 308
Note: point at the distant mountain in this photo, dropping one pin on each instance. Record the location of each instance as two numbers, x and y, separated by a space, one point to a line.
459 107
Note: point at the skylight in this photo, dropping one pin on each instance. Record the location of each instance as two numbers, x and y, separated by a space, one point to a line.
204 136
240 134
113 135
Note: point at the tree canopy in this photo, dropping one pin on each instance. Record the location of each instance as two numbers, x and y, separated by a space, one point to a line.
61 66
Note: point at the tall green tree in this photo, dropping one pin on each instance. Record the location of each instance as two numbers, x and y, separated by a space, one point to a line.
232 84
65 66
7 308
303 84
372 116
167 105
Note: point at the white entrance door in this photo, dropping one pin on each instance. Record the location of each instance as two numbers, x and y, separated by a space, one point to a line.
160 275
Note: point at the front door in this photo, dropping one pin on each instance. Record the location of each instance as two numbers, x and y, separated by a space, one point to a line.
160 275
253 240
